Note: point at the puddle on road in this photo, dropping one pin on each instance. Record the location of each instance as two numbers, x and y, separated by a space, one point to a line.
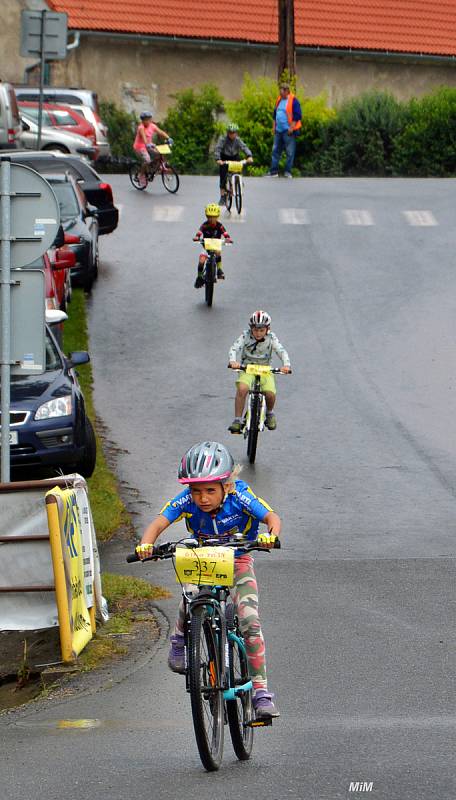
11 696
57 725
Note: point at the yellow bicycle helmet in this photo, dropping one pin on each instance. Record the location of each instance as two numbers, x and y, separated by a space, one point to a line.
212 210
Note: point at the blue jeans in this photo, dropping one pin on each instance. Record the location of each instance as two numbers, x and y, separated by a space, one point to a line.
283 141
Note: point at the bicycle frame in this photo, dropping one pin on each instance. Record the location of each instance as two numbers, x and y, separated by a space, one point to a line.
255 392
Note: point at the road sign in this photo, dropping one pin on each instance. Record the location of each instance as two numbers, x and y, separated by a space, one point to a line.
27 332
29 220
34 214
44 33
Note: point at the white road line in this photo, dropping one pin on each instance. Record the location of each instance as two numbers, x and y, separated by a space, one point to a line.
357 216
424 218
294 216
167 213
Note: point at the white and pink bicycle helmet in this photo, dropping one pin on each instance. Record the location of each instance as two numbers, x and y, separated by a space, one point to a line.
260 319
206 462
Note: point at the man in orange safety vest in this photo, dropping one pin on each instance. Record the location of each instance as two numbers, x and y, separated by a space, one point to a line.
287 124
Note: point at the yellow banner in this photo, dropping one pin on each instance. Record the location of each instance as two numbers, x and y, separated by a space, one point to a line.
70 530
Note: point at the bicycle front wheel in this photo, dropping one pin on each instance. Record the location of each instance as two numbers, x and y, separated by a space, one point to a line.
239 711
229 194
170 178
136 177
238 193
205 690
252 440
210 281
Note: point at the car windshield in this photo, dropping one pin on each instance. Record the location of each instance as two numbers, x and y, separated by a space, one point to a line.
69 208
52 355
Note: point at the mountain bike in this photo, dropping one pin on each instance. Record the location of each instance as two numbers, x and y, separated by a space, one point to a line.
213 248
157 166
255 415
217 676
234 184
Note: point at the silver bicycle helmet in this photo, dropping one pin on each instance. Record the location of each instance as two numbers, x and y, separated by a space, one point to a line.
146 115
205 462
260 319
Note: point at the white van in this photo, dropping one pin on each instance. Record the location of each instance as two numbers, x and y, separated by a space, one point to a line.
10 124
83 101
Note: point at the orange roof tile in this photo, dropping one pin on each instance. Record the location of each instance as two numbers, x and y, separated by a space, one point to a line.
413 26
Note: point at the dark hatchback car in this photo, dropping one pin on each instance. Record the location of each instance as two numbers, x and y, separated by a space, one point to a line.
79 219
49 424
97 191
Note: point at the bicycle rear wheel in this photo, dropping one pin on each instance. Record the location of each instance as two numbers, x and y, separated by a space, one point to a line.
238 193
209 283
170 178
205 690
229 194
253 431
240 710
135 177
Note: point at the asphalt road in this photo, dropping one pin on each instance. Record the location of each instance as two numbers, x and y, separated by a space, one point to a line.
358 606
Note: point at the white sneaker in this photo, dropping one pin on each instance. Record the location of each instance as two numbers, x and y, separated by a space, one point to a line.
271 175
287 175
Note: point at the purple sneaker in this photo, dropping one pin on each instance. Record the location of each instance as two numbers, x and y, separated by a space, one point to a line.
176 657
263 705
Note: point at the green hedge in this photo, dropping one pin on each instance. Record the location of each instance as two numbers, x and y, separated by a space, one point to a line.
373 134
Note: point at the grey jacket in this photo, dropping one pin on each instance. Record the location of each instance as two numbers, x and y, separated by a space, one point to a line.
253 352
230 148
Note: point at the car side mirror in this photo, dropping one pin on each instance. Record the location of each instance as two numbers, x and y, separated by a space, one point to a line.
64 259
77 358
70 238
59 240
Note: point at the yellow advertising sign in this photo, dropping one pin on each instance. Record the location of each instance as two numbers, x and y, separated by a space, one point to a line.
71 542
211 566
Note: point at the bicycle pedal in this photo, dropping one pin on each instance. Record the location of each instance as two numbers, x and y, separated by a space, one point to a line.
259 723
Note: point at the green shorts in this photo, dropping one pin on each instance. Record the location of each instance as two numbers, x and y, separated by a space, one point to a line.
267 382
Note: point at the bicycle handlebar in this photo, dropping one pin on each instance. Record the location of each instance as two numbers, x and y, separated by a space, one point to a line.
166 550
274 370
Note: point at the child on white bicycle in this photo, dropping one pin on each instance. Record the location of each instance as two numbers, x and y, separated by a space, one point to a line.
228 148
216 504
256 346
211 228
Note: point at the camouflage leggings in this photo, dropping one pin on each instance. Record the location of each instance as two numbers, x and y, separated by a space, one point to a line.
245 598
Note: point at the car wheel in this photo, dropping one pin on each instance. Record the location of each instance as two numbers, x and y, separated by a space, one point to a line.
86 465
57 148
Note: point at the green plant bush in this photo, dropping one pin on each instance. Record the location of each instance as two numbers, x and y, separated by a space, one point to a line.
121 129
192 123
427 144
359 140
253 112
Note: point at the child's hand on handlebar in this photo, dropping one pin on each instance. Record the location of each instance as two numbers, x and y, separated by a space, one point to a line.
267 539
285 370
144 551
234 365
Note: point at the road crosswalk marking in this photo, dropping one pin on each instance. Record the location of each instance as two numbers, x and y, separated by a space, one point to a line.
167 213
357 216
294 216
420 217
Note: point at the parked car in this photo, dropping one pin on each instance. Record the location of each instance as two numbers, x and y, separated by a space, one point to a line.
49 424
10 124
79 219
96 190
54 116
54 139
82 100
56 264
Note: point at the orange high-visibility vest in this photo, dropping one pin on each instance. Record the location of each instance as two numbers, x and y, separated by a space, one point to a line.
289 112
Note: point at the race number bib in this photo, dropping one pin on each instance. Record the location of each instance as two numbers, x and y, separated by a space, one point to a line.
211 566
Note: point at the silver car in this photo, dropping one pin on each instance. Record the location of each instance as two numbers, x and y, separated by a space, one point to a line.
54 139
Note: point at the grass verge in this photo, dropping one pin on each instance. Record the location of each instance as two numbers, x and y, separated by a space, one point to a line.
109 513
127 598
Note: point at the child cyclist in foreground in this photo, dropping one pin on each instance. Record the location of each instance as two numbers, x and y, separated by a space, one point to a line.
215 503
211 228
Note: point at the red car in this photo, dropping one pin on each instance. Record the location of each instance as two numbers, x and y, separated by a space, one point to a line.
57 116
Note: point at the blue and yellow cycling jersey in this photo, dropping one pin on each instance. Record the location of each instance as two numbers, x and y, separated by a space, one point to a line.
241 512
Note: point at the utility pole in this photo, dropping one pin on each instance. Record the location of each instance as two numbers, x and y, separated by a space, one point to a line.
287 52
